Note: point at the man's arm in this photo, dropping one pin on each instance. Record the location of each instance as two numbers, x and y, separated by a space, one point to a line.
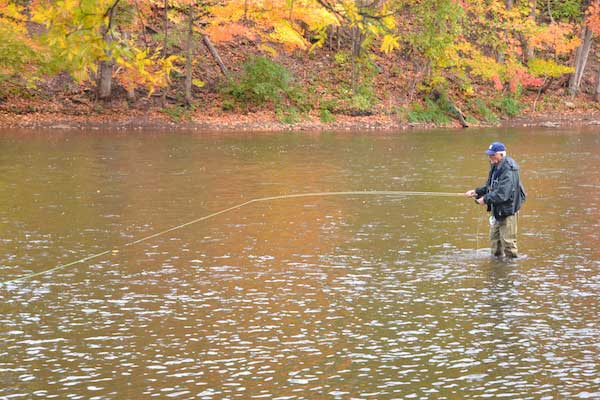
502 191
482 190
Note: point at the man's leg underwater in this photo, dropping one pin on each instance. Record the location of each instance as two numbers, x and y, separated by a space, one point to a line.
495 240
508 236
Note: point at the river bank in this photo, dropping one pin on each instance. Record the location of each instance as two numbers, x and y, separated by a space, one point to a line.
121 118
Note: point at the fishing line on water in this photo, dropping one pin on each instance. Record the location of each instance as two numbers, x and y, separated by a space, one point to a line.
257 200
477 236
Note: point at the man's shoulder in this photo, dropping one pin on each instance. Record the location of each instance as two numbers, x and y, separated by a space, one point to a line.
510 163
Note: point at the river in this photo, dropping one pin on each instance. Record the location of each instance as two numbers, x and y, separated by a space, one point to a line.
324 297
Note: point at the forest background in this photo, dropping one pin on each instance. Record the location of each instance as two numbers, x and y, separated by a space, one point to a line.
272 64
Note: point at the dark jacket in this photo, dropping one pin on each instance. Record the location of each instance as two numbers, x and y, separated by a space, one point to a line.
503 191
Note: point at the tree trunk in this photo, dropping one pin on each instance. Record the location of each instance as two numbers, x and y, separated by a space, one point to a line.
105 67
131 97
104 83
215 54
528 51
597 96
164 52
581 56
354 55
189 55
291 11
500 56
545 85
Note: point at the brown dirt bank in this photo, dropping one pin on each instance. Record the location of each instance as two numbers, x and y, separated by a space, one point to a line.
121 118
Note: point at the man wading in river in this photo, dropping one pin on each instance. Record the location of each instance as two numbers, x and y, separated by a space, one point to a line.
503 194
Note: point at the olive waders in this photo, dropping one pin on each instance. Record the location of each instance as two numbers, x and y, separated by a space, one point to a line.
503 236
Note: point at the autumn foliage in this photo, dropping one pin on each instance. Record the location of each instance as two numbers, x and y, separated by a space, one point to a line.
444 46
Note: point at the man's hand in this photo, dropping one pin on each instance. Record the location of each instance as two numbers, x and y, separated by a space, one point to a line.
470 193
480 200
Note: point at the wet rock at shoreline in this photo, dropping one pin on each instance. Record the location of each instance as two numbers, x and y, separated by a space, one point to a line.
550 124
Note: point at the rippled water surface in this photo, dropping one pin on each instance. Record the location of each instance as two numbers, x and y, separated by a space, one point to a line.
340 297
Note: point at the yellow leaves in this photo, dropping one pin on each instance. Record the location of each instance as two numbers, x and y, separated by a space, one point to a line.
389 22
138 68
75 38
316 18
390 43
269 50
20 57
80 75
41 15
168 64
198 83
285 21
548 68
275 21
477 64
350 11
285 34
12 17
10 11
93 68
468 90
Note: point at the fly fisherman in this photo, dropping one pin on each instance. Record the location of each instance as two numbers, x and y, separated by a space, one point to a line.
503 194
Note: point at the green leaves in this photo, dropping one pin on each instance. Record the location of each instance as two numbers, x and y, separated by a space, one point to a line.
438 32
261 81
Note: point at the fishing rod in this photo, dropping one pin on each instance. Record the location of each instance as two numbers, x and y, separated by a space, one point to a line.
257 200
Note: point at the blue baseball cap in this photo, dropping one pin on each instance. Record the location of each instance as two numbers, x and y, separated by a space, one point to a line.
494 148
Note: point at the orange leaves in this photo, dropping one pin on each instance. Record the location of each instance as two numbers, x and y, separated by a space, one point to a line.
523 78
226 32
497 83
593 17
558 38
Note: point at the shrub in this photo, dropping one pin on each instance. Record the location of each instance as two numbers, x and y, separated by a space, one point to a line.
341 58
326 116
290 115
402 113
326 110
471 120
360 102
480 108
508 105
432 112
178 113
262 81
227 105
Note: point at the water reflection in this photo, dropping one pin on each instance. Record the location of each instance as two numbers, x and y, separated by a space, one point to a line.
302 298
